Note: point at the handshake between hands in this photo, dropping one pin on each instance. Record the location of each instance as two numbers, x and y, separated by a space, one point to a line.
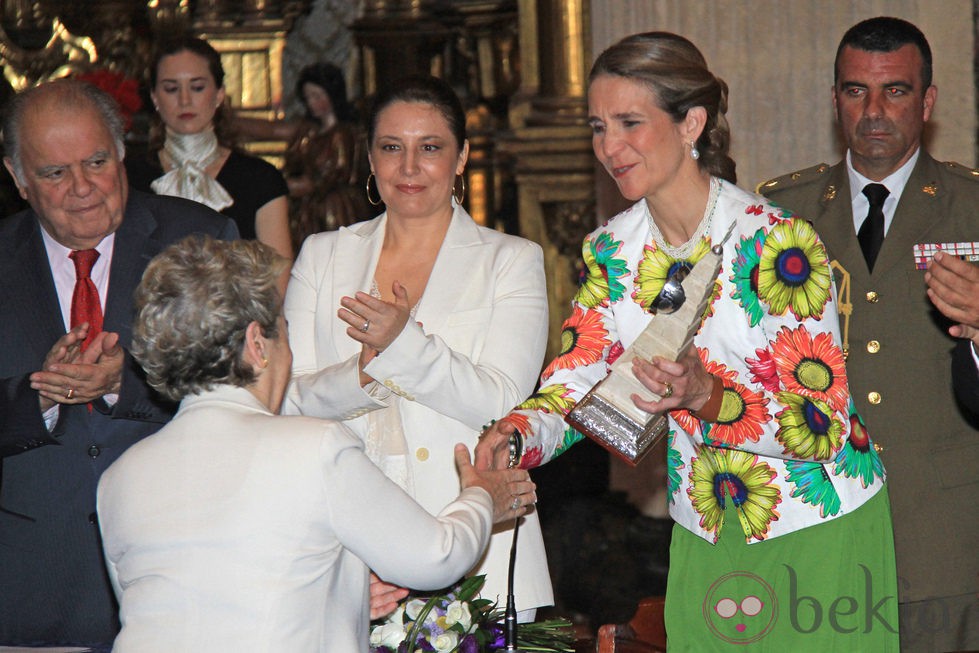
512 492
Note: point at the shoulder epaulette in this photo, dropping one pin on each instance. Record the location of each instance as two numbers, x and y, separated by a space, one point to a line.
960 170
797 178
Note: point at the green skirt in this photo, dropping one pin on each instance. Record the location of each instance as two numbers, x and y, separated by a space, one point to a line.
829 587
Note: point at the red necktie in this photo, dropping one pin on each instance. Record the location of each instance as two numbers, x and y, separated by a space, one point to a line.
85 305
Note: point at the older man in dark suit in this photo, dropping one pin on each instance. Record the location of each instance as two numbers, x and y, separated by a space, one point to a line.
71 398
877 211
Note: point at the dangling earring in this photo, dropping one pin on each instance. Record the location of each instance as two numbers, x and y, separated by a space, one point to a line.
694 152
462 195
368 187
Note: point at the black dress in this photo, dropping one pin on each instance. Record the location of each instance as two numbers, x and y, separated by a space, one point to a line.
251 182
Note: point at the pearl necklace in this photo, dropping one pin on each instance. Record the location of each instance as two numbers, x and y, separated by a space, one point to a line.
682 252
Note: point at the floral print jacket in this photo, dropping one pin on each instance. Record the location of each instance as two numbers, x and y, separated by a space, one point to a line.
788 447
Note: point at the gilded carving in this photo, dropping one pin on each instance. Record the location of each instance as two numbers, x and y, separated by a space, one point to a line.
24 66
567 224
42 39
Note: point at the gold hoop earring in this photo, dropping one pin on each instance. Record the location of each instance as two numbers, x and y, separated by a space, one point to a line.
461 196
368 188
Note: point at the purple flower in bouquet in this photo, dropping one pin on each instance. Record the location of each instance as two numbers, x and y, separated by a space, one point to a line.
460 621
469 644
498 638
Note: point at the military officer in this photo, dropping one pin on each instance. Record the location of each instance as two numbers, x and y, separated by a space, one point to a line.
881 212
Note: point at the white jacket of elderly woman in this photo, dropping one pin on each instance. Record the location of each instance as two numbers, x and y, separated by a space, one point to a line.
234 528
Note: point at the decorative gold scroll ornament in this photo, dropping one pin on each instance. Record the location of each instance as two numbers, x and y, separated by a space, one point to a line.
62 53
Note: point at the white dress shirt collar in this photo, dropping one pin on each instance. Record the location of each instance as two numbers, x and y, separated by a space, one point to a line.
895 183
63 271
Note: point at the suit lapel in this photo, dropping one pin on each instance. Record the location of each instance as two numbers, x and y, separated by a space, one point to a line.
134 246
459 259
834 222
922 207
31 289
354 262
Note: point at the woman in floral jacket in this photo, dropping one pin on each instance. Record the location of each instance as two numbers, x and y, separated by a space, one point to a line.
783 530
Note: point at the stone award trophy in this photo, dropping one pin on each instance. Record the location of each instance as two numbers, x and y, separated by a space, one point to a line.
607 413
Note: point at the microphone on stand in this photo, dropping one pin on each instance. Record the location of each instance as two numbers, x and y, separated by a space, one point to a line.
510 614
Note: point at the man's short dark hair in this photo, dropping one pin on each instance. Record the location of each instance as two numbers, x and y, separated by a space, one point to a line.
885 34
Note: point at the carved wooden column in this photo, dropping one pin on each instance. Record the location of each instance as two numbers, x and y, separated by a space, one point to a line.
549 147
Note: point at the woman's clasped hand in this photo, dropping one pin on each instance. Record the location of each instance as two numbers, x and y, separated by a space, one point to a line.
376 322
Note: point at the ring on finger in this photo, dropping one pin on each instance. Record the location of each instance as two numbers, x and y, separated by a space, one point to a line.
669 390
515 504
70 393
367 325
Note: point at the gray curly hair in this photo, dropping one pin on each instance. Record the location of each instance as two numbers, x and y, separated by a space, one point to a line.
193 305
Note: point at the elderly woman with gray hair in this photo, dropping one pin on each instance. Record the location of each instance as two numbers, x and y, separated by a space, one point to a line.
234 528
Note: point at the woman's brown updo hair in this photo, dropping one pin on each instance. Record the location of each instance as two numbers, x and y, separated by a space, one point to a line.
676 72
222 122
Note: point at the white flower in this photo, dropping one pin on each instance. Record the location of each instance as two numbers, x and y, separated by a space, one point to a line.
446 641
397 617
458 613
413 608
388 634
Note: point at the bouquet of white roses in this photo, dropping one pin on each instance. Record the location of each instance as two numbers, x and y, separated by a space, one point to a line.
461 621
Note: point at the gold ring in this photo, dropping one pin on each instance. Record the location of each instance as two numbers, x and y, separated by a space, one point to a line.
70 393
515 504
367 325
669 390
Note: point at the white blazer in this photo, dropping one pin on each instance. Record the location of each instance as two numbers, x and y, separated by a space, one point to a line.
232 529
473 352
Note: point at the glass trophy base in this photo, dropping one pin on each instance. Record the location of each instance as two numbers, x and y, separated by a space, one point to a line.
607 413
615 430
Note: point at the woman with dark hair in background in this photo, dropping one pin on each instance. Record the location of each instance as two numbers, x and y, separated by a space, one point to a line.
192 152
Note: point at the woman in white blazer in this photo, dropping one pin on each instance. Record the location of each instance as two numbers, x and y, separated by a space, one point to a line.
419 327
235 529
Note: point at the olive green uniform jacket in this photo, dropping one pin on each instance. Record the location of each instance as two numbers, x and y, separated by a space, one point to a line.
899 364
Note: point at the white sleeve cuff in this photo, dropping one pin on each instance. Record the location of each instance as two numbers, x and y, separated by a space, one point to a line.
51 416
